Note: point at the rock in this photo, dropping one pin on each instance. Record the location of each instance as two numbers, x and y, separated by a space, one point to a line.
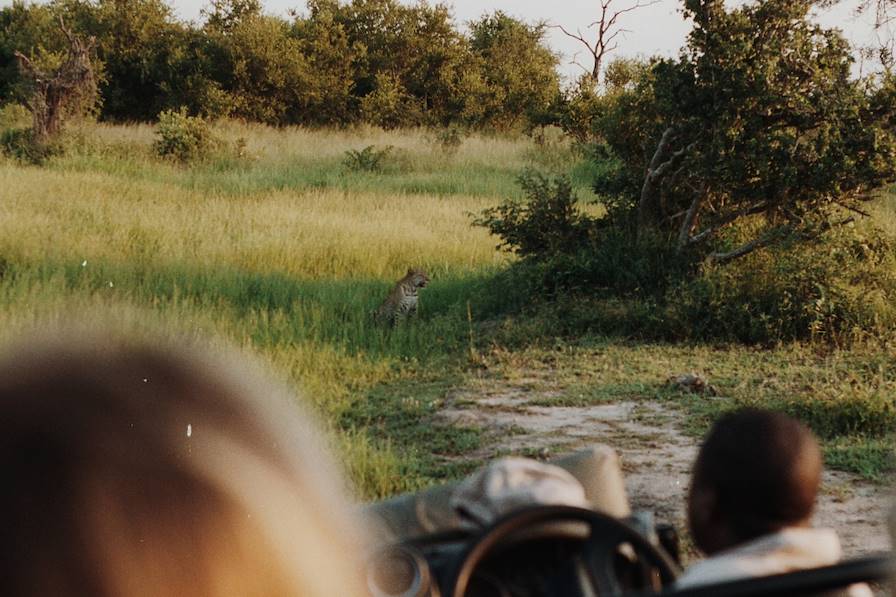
692 383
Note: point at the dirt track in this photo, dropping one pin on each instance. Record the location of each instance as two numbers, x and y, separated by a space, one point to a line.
656 455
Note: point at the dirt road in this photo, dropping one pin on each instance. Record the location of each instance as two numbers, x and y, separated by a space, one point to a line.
656 455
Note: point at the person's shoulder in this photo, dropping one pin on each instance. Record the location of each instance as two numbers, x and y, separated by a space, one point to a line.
859 590
794 548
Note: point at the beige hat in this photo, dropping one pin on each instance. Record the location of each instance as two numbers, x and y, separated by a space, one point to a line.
509 484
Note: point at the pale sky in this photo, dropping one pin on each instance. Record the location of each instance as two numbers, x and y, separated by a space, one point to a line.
658 29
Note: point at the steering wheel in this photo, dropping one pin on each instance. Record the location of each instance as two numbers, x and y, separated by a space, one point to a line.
606 534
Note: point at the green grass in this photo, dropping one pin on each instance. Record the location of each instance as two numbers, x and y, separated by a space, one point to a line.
301 160
285 253
253 252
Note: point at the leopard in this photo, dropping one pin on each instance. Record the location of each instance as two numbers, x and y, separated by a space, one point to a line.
401 303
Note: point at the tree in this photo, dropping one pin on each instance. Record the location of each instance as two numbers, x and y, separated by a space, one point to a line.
65 91
760 121
339 61
517 71
330 55
606 30
225 15
22 29
583 103
258 62
413 52
142 49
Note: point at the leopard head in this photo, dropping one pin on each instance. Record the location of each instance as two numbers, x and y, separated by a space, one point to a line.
417 277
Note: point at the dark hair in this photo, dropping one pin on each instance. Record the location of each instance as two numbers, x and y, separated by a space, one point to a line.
764 469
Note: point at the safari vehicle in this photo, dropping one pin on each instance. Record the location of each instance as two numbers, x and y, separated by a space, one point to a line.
604 550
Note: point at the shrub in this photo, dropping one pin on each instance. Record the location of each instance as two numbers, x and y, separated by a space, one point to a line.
183 137
389 105
548 223
13 116
449 140
369 159
833 288
20 144
830 291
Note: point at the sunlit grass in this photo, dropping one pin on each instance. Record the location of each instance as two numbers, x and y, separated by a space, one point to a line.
288 270
327 233
254 159
285 252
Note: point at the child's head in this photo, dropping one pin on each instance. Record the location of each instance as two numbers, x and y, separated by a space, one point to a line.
139 469
757 472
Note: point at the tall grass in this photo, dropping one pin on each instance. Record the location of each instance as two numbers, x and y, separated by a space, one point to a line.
302 159
283 252
315 234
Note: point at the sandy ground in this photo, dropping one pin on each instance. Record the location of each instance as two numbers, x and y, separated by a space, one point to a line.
656 455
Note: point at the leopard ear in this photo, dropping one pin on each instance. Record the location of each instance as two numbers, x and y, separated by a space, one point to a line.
410 271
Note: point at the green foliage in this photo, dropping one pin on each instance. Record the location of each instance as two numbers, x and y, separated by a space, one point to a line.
760 116
260 66
368 159
20 144
13 116
581 105
32 30
547 223
183 137
227 15
389 105
329 53
519 77
381 61
834 291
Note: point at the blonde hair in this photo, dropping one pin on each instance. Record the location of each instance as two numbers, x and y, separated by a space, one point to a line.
135 469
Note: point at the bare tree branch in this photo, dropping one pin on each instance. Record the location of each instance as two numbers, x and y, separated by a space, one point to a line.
648 189
763 241
606 31
773 236
728 219
662 162
690 220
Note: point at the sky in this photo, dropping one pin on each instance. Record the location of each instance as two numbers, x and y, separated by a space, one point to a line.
658 29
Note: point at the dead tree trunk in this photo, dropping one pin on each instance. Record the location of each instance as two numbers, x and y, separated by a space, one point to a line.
65 91
605 34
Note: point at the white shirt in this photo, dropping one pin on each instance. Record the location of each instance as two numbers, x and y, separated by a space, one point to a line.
788 550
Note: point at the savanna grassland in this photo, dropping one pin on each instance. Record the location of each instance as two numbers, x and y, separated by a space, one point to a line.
277 246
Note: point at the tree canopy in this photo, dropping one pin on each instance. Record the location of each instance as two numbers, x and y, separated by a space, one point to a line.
335 63
760 119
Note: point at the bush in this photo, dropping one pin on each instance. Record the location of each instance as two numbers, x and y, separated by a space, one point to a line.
449 140
14 116
183 137
832 294
369 159
389 105
832 291
547 224
20 144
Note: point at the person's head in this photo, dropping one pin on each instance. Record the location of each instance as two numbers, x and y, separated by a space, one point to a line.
139 469
757 472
